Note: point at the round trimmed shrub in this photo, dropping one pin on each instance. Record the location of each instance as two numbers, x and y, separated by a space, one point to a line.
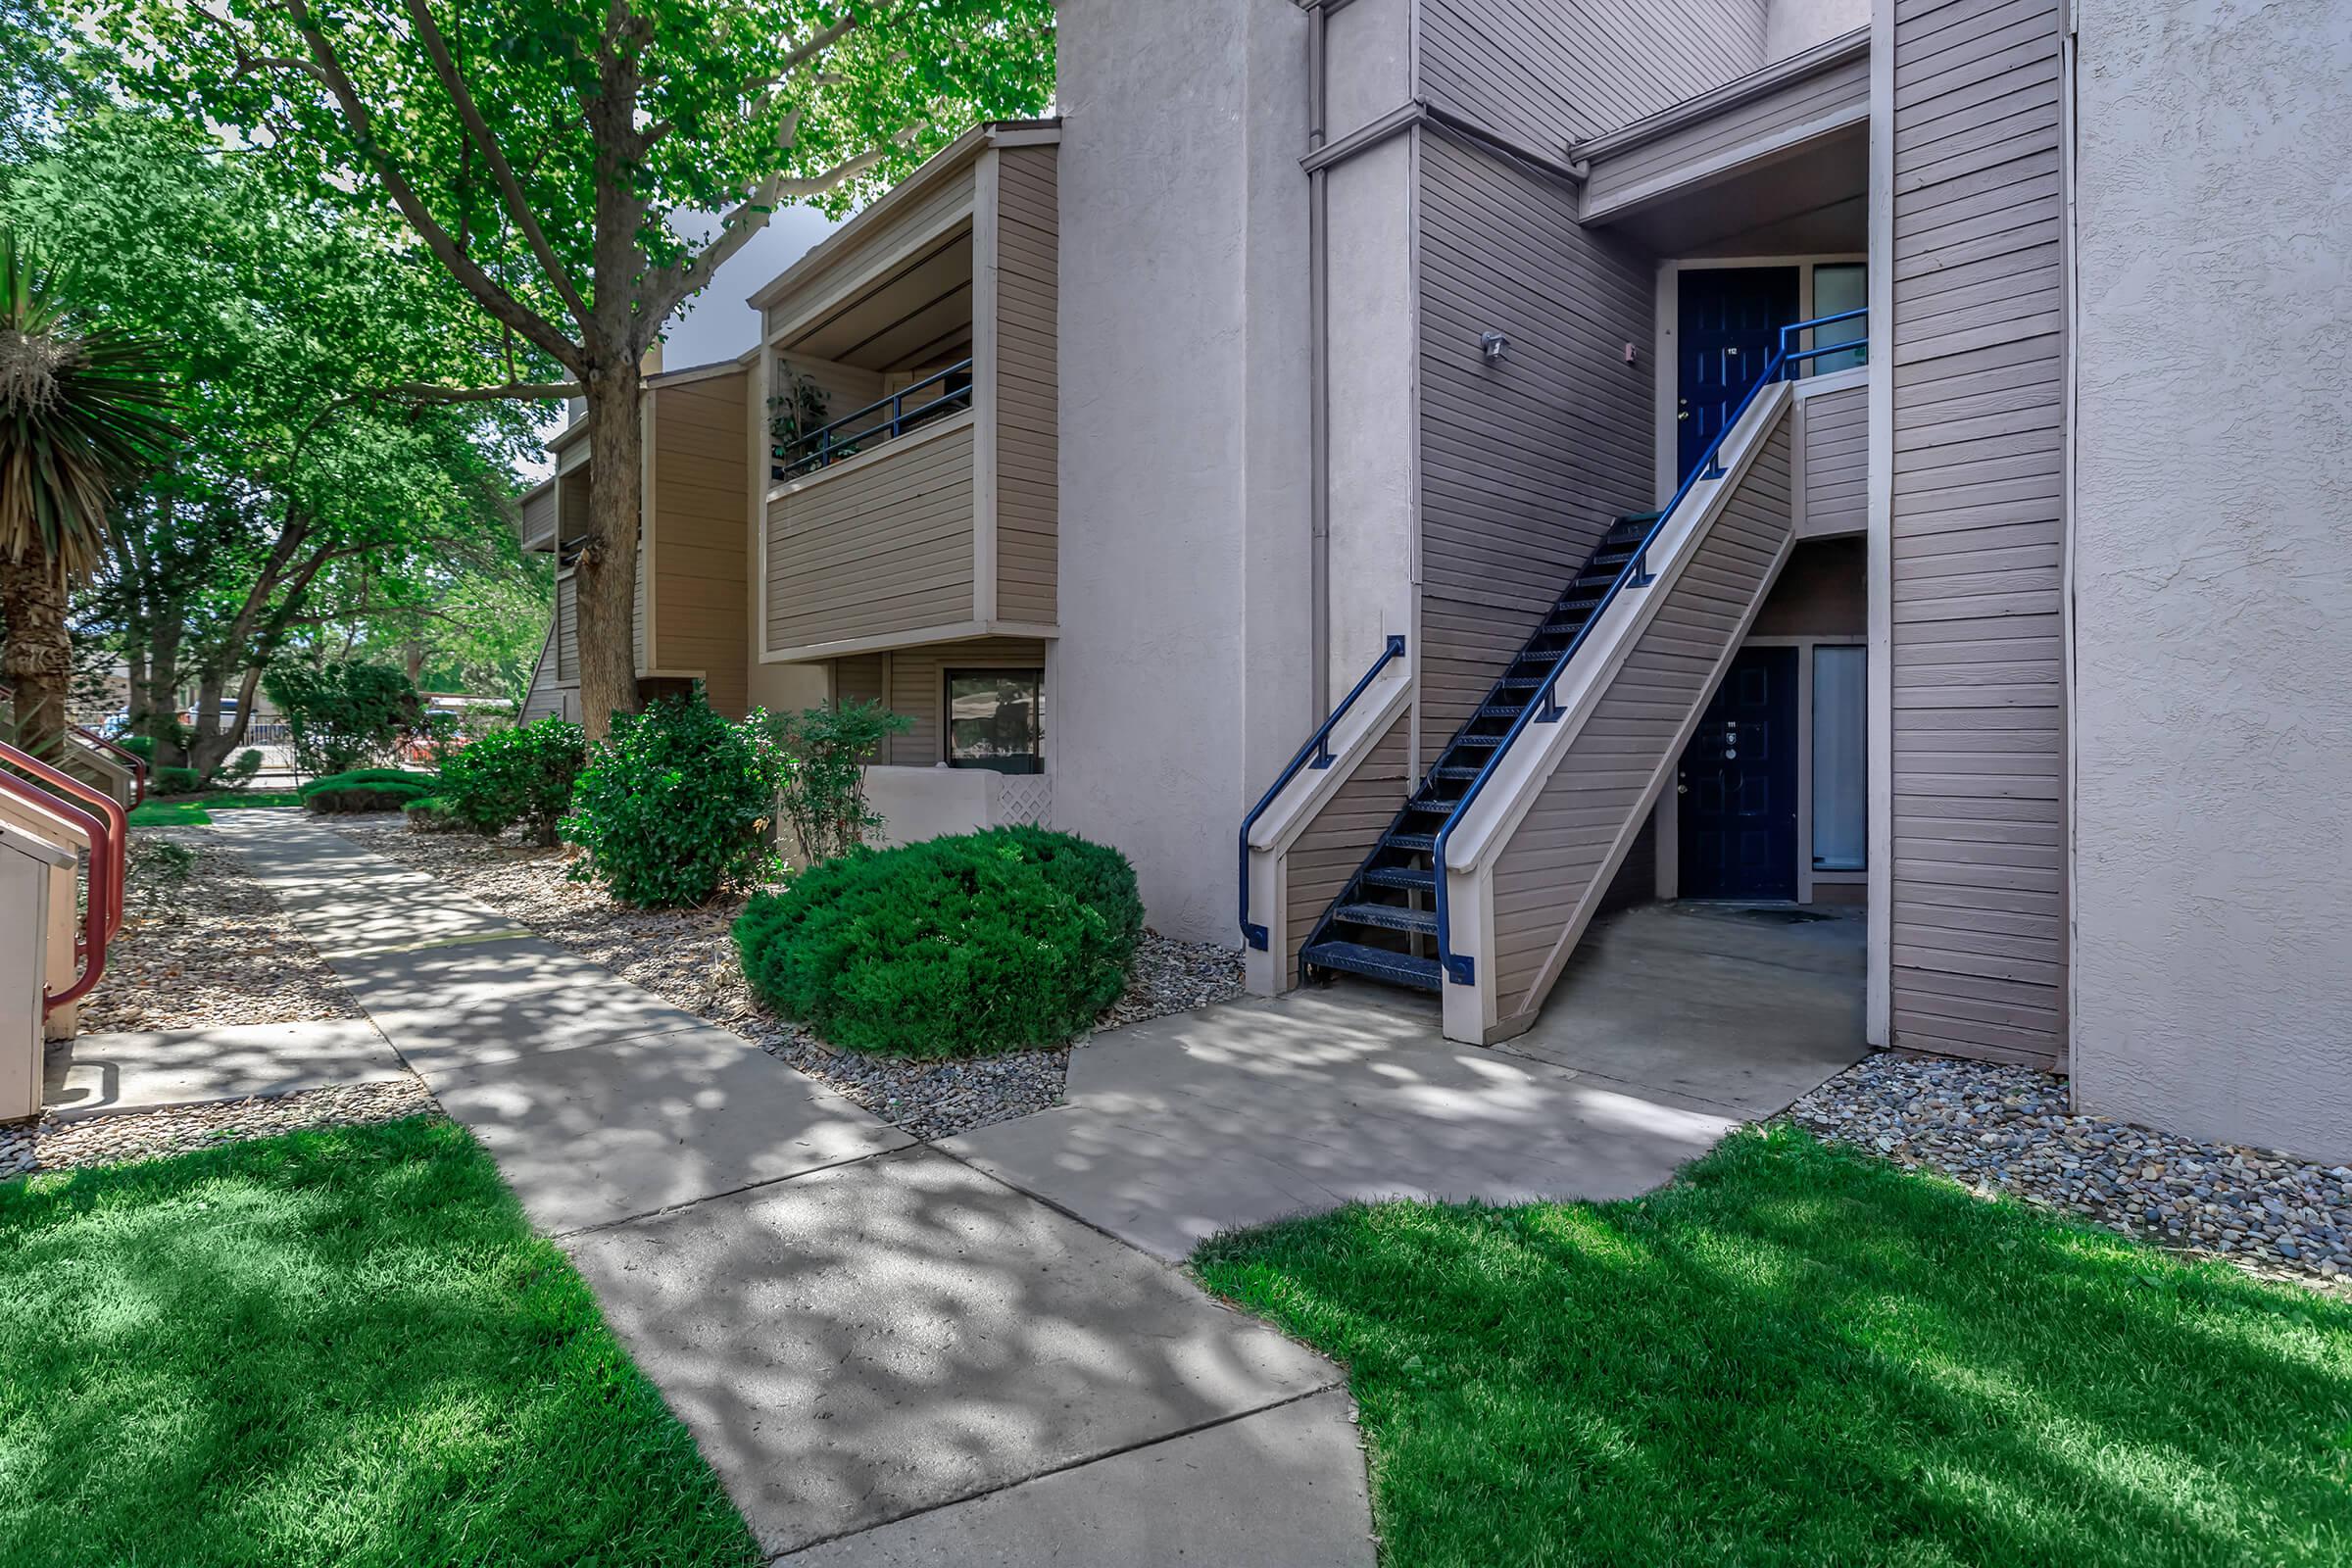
431 814
1007 940
367 789
675 804
524 773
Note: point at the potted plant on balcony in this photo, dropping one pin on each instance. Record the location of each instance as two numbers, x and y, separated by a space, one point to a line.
800 409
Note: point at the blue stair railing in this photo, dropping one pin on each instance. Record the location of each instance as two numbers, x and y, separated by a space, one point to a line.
1315 754
1460 968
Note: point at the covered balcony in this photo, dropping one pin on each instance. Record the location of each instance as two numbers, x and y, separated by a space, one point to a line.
908 382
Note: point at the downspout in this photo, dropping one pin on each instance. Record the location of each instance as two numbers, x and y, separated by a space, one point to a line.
1318 282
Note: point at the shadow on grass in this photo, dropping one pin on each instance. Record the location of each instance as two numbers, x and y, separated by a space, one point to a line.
1797 1354
336 1348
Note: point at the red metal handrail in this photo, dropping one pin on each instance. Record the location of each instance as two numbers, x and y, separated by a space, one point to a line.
116 820
101 912
138 764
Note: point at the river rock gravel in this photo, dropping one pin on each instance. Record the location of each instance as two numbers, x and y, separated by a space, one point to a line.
2010 1129
687 957
54 1144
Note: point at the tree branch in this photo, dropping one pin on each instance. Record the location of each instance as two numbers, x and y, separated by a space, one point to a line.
513 391
453 82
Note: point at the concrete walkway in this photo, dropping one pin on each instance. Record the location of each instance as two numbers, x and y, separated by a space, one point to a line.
977 1351
102 1074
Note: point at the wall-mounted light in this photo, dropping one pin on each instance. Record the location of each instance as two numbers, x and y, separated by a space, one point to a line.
1492 345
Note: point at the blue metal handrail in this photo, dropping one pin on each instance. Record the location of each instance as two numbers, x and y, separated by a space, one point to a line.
1458 968
827 445
1317 748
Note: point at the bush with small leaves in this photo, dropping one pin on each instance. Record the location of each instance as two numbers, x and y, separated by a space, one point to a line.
1007 940
524 773
162 781
675 806
367 789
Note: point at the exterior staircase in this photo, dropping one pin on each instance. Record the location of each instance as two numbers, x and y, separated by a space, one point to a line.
1383 923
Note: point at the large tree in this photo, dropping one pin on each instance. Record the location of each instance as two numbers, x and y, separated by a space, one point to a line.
298 499
551 157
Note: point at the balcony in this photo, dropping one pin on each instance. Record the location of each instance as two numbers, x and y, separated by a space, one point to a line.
909 383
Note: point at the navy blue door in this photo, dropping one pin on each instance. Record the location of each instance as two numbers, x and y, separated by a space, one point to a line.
1737 784
1727 326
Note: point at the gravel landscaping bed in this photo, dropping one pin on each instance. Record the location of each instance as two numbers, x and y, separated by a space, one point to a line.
687 957
54 1144
2009 1130
202 943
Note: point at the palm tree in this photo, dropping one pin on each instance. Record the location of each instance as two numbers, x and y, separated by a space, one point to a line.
81 411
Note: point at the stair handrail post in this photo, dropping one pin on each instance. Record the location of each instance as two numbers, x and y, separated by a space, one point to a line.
1318 750
1460 968
102 908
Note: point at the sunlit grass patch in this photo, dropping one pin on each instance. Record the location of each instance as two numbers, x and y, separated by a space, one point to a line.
1800 1355
332 1347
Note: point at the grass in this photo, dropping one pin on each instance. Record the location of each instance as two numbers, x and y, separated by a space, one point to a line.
336 1348
1802 1355
195 810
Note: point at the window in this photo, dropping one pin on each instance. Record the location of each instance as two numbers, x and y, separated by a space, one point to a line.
1840 759
997 719
1838 287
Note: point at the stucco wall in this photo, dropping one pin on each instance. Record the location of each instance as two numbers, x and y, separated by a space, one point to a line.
1180 680
2213 707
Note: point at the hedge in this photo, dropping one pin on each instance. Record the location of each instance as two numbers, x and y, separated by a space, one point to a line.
1007 939
367 789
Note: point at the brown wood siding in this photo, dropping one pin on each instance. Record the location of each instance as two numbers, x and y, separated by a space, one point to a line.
537 528
1552 875
875 549
911 681
1540 74
1329 848
1978 938
861 678
1524 463
543 700
1027 392
1840 92
567 631
916 224
1837 466
700 558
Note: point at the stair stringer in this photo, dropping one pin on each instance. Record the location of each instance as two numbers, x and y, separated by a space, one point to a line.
1531 860
1375 732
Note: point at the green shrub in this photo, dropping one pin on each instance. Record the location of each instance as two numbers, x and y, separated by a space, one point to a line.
431 814
141 747
675 806
824 798
341 714
524 773
237 774
367 789
173 781
998 941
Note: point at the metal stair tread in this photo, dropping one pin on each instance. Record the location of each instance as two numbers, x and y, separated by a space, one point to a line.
1401 876
1387 916
1378 963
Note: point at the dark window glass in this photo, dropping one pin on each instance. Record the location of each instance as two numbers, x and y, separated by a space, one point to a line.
997 719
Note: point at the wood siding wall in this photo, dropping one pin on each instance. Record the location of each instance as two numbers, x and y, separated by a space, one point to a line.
567 631
1327 852
1841 93
913 682
1541 73
1028 395
543 700
1836 461
1524 463
537 526
901 233
1552 875
699 556
879 546
1978 871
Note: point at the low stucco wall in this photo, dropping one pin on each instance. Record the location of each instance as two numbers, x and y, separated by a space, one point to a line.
928 803
2213 699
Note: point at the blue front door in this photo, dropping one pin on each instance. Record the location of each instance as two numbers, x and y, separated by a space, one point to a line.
1736 787
1727 326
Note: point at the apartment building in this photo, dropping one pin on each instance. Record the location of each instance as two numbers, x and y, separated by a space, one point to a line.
1414 473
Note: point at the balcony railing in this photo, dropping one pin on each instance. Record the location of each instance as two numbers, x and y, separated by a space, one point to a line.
934 396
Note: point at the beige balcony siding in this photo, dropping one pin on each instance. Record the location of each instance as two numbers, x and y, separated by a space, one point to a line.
567 631
899 232
1978 905
1326 854
699 559
861 678
1552 875
919 687
537 527
847 387
1837 466
878 546
1027 391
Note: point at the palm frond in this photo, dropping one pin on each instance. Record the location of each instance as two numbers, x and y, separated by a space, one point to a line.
82 412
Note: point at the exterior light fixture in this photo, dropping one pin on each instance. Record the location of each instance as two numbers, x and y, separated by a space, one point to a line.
1492 345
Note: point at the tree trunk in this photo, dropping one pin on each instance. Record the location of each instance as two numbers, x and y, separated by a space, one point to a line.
39 658
606 575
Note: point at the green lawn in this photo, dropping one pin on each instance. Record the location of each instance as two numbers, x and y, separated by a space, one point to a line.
338 1348
1800 1355
194 810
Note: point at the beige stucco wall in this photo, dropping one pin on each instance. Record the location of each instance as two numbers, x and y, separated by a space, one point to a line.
1178 684
2213 702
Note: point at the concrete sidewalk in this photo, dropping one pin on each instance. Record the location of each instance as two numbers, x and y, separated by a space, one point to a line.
887 1356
